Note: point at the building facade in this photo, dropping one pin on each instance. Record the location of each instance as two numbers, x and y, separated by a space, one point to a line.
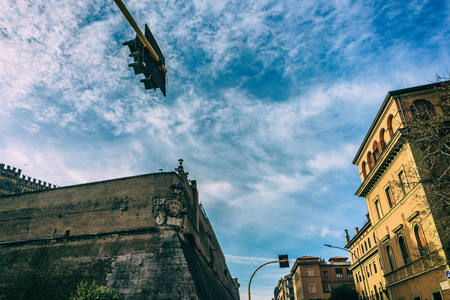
315 278
145 236
284 289
366 263
404 168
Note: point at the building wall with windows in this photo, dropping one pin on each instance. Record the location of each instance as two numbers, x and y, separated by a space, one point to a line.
366 263
315 278
407 231
284 289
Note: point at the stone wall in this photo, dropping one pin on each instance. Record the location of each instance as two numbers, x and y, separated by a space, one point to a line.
145 236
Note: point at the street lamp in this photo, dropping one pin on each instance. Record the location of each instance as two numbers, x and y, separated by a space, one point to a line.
359 262
284 263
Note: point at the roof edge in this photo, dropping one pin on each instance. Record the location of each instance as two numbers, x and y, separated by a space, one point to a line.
383 105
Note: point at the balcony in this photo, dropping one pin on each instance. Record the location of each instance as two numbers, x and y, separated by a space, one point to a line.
416 268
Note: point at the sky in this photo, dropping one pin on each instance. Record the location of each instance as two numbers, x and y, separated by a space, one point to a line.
267 103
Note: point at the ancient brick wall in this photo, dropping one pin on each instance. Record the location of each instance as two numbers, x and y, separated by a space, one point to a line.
145 236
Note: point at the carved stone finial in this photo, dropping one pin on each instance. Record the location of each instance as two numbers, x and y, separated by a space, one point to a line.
180 161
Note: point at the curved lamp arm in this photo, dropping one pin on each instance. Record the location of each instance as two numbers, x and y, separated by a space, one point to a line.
270 262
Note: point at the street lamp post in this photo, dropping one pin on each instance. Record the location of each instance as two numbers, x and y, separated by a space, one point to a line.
359 262
282 262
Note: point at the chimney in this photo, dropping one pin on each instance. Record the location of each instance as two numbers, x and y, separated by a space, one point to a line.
356 230
347 238
367 218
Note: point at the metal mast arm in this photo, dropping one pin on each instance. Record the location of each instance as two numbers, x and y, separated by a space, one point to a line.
138 31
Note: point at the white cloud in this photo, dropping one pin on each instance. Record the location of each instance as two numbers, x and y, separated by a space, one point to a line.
258 103
337 159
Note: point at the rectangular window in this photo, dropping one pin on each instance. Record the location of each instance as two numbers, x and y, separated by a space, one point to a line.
312 288
367 271
339 273
325 274
403 182
437 295
389 196
375 267
349 273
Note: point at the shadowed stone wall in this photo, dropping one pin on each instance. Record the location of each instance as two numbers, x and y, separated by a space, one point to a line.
145 236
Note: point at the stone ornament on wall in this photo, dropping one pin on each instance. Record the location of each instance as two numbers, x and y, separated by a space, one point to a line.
171 208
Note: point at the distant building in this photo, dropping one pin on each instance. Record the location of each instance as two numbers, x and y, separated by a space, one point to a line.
315 278
366 264
285 289
404 163
146 236
13 182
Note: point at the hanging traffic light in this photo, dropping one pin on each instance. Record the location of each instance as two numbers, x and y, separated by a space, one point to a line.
145 63
137 52
283 260
154 74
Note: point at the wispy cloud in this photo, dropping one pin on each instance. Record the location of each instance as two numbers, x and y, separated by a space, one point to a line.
267 103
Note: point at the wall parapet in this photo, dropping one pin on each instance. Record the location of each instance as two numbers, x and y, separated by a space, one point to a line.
14 174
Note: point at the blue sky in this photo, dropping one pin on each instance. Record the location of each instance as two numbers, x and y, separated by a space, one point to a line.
267 103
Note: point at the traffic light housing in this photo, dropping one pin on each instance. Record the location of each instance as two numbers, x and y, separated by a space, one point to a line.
284 261
137 52
144 62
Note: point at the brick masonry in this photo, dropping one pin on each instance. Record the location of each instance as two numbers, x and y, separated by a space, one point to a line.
145 236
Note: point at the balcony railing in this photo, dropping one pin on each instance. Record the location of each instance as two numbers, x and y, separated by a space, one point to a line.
422 265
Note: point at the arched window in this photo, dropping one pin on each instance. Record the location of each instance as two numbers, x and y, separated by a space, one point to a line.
376 292
363 169
389 125
370 161
404 250
420 239
382 140
309 271
6 185
390 256
365 245
376 151
368 240
422 109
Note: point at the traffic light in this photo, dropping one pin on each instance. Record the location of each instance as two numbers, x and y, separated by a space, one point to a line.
145 63
284 261
137 53
154 75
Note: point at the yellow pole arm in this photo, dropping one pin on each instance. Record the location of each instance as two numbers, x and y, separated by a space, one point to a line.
270 262
138 31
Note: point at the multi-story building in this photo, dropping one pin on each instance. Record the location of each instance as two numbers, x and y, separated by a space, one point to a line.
365 262
284 289
315 278
404 167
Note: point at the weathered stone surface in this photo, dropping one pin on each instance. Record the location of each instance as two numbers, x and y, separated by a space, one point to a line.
145 236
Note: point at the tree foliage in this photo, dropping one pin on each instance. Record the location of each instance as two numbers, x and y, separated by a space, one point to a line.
2 295
344 292
94 292
428 130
